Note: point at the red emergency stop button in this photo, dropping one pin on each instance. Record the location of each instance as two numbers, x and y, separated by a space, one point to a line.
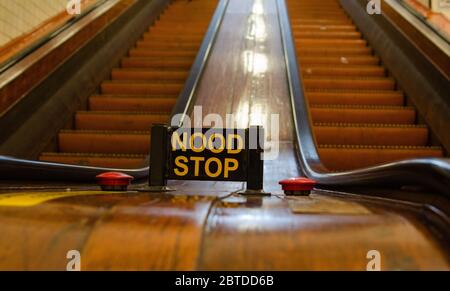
298 186
114 181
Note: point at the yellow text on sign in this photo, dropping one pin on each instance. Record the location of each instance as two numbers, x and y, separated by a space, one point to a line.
216 143
182 162
198 142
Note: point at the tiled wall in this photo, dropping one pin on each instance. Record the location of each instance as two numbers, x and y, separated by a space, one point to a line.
442 6
21 16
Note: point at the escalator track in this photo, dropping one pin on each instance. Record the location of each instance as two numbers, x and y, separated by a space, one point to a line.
114 130
360 116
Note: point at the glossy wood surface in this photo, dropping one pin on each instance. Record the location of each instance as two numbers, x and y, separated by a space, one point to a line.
246 76
265 233
248 60
203 225
121 232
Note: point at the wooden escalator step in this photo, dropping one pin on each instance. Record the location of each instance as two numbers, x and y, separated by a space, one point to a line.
168 46
318 27
311 42
184 38
115 131
328 34
141 88
371 134
148 75
384 98
340 60
136 121
146 53
131 103
158 62
354 157
360 119
333 51
347 83
363 114
347 71
107 142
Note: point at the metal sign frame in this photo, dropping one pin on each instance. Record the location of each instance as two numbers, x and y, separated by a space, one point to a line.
163 155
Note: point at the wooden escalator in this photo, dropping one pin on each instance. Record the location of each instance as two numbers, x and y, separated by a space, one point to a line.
360 116
114 131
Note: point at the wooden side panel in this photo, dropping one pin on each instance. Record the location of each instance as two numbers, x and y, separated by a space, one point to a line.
112 232
316 233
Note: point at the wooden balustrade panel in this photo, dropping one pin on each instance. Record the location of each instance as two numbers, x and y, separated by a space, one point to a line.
112 232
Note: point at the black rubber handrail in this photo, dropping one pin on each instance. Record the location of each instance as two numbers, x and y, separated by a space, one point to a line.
432 172
48 37
12 169
27 170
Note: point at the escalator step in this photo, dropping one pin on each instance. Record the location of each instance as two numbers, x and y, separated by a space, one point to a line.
178 15
115 132
140 88
171 63
367 134
360 84
148 75
360 117
177 38
322 21
176 29
340 60
333 51
386 98
327 34
315 13
311 42
369 114
318 27
131 103
355 71
95 120
145 42
167 46
161 53
346 157
111 142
